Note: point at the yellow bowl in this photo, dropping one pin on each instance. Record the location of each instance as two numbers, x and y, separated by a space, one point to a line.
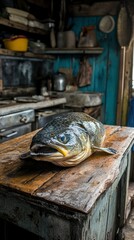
16 44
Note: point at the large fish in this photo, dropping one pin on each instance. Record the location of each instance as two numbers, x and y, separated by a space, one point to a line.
68 139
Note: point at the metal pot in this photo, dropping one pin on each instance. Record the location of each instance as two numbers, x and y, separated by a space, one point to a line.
59 82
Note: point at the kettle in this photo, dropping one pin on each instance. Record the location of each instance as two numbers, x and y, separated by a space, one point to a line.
59 82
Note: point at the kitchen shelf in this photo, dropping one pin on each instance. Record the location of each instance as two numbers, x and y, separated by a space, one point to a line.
12 54
9 23
91 50
48 53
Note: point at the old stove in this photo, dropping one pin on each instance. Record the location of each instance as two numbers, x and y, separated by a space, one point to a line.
22 115
16 124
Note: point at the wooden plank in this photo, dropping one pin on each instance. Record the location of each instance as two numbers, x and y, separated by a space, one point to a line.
6 52
129 156
112 75
96 225
37 219
9 23
107 223
84 182
96 9
132 168
122 193
127 83
128 230
100 66
125 79
39 56
112 225
129 200
40 3
121 85
25 173
90 50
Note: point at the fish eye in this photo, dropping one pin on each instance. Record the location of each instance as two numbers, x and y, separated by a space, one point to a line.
64 138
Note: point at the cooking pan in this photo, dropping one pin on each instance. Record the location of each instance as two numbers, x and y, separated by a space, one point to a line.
124 25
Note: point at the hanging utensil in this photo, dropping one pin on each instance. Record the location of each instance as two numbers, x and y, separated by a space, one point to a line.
124 26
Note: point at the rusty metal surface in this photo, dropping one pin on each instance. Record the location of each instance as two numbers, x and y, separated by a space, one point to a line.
18 118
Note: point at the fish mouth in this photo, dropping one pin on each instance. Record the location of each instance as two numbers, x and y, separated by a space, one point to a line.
45 150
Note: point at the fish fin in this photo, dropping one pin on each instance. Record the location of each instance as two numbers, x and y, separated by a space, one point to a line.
104 149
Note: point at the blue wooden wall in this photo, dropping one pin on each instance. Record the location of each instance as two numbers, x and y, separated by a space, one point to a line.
105 66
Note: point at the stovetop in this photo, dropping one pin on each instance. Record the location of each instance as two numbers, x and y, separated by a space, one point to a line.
10 105
25 99
19 98
4 102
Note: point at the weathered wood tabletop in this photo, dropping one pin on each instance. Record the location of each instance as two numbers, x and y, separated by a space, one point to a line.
76 188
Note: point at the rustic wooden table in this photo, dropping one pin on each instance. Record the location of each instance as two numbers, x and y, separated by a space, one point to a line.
85 202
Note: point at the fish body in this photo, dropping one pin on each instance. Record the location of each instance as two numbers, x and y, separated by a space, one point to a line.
68 139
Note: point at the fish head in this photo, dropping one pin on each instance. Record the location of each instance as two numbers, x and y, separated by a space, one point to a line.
63 143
